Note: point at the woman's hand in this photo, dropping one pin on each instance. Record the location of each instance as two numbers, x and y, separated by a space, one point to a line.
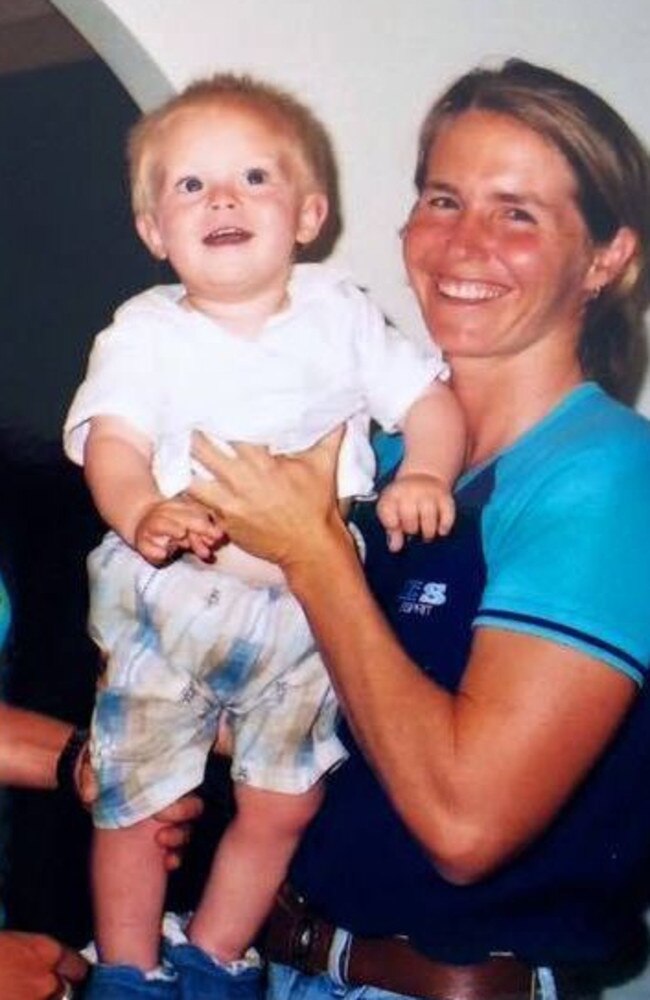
175 828
36 967
275 507
174 823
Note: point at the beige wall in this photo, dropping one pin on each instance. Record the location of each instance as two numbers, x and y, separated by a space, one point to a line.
370 67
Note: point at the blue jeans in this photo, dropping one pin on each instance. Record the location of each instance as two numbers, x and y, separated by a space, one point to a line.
285 983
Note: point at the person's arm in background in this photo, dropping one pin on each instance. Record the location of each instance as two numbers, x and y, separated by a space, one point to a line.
30 747
35 966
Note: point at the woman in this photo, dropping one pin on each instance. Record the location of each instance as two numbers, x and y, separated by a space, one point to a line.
40 752
493 810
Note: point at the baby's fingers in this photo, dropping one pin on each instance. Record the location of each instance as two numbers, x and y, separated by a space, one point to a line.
429 511
157 549
446 514
204 546
389 515
409 516
395 539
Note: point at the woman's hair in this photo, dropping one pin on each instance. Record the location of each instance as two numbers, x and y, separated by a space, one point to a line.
612 173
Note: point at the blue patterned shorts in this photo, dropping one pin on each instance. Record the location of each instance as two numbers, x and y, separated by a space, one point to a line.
185 644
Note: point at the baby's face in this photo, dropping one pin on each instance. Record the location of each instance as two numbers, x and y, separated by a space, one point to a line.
231 201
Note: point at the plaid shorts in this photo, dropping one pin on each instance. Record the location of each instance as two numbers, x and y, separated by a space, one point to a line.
186 643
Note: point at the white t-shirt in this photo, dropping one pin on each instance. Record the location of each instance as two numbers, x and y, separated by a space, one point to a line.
328 358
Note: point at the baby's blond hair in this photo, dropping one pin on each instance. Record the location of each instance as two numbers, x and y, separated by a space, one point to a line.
278 108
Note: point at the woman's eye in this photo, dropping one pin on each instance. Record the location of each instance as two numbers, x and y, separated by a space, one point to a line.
520 215
189 185
255 176
439 202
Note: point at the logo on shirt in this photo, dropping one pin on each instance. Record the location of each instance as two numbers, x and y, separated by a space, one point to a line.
418 597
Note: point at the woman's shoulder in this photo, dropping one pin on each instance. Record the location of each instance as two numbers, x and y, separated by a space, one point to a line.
598 413
590 439
612 442
582 470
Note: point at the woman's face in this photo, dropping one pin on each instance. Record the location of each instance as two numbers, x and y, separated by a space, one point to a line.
496 249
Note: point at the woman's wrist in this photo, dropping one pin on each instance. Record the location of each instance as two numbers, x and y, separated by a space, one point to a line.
69 763
331 548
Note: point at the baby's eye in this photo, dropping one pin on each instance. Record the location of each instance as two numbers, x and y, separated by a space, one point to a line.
255 176
189 185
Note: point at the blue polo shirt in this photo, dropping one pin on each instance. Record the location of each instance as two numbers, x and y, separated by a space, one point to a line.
553 539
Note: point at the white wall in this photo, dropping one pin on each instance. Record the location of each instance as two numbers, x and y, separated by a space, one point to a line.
370 68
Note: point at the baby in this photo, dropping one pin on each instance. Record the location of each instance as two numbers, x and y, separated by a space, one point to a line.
228 180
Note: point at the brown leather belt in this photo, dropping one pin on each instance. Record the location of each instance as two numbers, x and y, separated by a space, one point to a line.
295 936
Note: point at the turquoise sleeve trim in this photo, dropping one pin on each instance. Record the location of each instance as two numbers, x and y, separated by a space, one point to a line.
591 645
389 451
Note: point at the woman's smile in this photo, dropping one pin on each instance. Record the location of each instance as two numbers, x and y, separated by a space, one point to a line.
469 291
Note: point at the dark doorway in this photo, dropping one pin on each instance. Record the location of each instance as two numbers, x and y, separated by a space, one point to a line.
69 257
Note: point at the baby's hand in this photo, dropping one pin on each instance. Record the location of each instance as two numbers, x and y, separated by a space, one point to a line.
415 503
179 524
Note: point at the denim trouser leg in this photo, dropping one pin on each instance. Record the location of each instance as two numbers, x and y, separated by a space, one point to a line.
285 983
123 982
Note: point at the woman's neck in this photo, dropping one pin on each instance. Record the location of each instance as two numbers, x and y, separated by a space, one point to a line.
501 402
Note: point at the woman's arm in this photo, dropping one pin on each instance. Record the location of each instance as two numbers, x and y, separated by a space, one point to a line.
474 775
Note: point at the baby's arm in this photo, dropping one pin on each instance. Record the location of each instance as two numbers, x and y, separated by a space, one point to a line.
419 499
117 463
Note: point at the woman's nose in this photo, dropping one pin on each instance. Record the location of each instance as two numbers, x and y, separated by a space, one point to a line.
470 235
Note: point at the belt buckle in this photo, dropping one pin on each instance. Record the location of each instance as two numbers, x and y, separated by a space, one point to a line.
532 989
302 944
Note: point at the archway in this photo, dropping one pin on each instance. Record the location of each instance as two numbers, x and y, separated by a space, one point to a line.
119 49
70 257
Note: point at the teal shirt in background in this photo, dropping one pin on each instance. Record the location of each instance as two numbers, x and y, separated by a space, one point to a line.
5 614
5 621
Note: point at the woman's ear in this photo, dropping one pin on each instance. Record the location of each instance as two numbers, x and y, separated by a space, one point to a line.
149 233
611 260
313 213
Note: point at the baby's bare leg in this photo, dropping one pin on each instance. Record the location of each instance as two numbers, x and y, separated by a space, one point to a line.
129 883
249 867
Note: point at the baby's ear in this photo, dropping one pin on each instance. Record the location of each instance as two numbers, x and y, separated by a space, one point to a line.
313 213
149 233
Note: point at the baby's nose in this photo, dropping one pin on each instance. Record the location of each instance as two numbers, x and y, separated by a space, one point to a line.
222 196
